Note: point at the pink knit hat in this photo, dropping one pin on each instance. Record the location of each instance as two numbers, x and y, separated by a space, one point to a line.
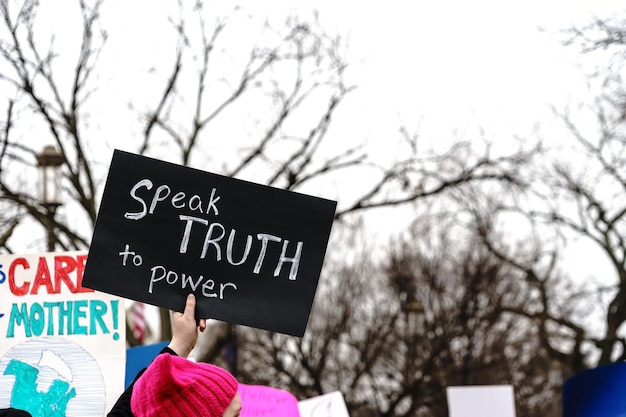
177 387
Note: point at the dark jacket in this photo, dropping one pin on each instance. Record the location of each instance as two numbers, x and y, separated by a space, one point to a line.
121 408
13 412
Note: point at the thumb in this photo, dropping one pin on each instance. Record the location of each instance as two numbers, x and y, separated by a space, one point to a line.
190 306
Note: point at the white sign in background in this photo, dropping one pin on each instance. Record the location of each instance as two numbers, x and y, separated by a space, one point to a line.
481 401
327 405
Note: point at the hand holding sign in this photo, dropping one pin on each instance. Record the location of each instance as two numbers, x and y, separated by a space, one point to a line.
251 254
185 328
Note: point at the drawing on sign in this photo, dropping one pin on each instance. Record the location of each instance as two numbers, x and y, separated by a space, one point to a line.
46 374
251 254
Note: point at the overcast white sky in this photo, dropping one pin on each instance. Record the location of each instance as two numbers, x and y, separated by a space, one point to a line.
446 63
440 65
455 62
467 65
435 66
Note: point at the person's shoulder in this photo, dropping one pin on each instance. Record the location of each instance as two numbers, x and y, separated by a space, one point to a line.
14 412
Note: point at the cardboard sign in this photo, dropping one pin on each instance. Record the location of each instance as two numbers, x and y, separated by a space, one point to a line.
62 346
327 405
596 392
262 401
481 401
251 254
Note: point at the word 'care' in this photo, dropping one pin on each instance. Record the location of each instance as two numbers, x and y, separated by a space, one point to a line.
65 272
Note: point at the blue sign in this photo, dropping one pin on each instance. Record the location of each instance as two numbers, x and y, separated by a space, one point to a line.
596 392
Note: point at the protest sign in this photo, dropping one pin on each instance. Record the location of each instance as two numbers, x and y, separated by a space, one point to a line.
251 254
481 401
62 346
327 405
262 401
596 392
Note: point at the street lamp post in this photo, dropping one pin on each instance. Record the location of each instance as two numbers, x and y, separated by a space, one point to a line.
49 162
415 323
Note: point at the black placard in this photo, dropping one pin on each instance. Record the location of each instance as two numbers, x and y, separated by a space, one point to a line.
251 254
